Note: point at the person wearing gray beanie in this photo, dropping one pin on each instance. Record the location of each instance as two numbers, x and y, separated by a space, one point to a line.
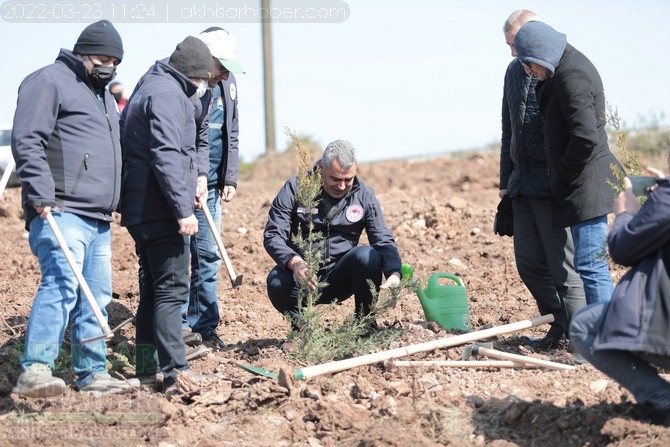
193 59
66 144
100 38
581 166
539 43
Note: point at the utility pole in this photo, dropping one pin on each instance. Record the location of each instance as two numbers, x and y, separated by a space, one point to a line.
270 147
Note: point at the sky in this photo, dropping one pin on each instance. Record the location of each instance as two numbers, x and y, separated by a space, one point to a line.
398 79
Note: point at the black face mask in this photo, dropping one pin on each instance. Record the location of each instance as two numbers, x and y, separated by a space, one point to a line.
101 76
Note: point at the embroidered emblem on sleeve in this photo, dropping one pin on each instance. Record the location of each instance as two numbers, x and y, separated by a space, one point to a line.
354 213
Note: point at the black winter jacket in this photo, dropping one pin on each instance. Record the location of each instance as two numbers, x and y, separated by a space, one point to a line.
359 210
523 158
66 143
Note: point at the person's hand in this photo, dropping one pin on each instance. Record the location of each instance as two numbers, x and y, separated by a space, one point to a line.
302 274
626 200
501 193
228 193
391 281
200 190
43 211
188 226
655 172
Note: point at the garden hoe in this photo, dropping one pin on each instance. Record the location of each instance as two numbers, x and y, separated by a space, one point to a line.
107 332
487 350
376 357
235 280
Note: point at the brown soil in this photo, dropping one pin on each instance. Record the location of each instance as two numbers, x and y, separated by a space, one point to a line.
441 211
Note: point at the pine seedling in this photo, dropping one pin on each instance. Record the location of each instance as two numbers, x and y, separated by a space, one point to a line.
629 160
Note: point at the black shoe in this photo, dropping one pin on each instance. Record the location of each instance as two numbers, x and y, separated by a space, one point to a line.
652 414
191 338
215 341
544 343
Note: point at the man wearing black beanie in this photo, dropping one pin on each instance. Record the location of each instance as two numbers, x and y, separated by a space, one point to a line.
158 196
68 159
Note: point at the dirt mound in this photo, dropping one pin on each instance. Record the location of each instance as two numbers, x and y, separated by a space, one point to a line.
441 211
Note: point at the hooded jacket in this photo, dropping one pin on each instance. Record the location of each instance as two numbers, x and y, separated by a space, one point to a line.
159 154
342 228
638 316
65 140
572 103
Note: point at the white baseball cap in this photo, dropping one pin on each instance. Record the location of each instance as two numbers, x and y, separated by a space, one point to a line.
223 46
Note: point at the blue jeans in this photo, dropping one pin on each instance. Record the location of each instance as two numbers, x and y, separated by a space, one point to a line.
633 370
59 298
201 313
164 260
590 240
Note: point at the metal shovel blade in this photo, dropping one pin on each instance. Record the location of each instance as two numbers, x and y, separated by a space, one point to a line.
258 371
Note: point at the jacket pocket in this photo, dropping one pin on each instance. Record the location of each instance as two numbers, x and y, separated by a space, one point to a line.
82 168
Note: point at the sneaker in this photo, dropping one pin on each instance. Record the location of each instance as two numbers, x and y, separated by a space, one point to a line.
37 381
191 338
151 379
103 383
215 341
195 352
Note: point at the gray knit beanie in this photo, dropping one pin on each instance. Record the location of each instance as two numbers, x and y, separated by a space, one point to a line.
192 58
100 38
539 43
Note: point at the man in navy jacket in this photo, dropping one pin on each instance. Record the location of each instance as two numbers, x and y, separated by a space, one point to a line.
346 207
200 316
65 140
158 196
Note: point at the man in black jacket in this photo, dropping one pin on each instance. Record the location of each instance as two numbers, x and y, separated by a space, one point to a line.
543 254
572 103
65 140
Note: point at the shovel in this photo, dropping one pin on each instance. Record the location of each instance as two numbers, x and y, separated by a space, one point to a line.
5 175
102 321
235 280
368 359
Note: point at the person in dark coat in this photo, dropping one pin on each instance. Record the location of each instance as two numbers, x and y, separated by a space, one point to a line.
628 338
347 206
158 198
572 103
543 254
65 140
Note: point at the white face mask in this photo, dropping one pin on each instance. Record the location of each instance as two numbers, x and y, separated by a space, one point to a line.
202 89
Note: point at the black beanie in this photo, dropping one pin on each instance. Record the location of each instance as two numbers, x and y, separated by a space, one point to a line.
192 58
100 38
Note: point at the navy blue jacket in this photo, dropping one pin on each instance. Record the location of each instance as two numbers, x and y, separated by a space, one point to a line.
523 157
223 136
159 154
360 211
66 143
638 316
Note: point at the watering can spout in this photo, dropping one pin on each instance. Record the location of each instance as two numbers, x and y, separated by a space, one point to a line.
445 304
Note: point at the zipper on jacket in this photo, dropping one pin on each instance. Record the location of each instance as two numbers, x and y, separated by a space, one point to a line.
82 168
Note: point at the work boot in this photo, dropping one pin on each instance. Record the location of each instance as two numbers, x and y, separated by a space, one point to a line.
37 381
195 352
191 338
543 344
103 383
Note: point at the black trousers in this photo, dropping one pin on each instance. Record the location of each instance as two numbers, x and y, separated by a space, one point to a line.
164 286
348 276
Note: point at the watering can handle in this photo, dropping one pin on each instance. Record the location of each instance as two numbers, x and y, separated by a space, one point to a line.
433 281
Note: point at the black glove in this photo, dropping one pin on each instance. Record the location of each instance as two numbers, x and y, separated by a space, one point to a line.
503 223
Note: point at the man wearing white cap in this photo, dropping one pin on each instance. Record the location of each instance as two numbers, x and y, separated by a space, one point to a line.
201 313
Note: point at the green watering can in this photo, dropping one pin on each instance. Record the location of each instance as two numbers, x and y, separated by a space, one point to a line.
445 304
